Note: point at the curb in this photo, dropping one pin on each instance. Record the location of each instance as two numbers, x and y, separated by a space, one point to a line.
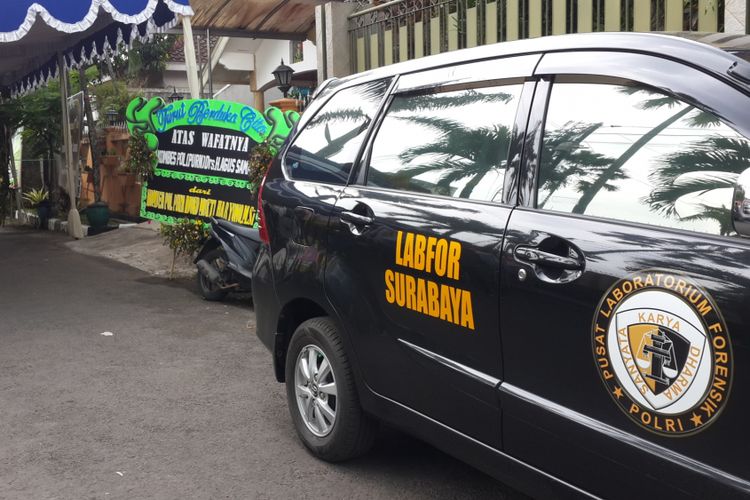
58 225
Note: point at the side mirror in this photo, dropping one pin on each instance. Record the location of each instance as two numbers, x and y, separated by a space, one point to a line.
741 205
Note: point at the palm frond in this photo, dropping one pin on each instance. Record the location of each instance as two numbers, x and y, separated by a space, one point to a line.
465 143
449 100
727 153
663 198
341 115
718 214
660 102
655 98
703 119
336 144
445 125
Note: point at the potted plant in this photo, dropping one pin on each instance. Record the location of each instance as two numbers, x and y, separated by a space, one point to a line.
38 199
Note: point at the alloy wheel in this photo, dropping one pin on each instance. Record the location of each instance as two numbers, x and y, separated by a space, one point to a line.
315 390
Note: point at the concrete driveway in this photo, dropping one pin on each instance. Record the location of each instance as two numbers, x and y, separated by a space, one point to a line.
178 402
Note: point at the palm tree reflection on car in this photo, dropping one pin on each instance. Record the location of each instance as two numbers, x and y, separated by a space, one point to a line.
458 152
704 165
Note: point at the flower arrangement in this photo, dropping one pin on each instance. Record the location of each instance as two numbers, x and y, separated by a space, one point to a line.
184 237
259 161
141 158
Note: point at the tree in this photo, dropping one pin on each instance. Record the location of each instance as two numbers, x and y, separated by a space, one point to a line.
111 95
41 118
93 136
147 61
10 118
464 153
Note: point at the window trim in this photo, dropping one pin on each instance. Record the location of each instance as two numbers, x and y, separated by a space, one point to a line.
363 165
481 73
359 168
401 192
528 168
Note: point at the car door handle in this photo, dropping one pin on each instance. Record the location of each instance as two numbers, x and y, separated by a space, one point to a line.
356 219
533 255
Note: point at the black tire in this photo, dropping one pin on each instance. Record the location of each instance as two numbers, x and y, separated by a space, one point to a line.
208 290
353 431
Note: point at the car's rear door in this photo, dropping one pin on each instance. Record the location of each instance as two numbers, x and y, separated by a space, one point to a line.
624 300
298 194
301 188
415 242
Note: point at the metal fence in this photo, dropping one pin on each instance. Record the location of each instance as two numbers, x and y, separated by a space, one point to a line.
408 29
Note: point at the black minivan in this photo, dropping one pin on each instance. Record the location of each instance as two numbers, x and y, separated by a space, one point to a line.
531 255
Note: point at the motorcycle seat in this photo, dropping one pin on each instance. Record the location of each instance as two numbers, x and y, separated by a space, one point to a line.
249 233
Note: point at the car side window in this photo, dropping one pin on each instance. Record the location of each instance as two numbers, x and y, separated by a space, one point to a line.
634 153
326 148
452 143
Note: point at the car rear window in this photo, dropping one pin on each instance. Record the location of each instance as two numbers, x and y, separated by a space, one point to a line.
328 145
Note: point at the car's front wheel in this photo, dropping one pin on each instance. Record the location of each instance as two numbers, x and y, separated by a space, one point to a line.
322 396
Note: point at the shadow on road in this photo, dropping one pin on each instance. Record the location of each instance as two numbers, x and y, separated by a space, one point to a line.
396 456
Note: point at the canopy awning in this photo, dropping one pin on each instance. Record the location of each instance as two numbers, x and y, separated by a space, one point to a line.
272 19
32 32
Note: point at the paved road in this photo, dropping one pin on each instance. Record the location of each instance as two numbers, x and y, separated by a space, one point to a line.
180 402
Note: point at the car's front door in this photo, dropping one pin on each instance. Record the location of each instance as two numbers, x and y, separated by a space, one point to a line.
416 242
624 305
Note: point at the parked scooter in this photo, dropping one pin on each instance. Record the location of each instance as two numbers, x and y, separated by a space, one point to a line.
225 263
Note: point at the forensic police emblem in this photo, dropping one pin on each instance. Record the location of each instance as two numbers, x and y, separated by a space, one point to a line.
663 352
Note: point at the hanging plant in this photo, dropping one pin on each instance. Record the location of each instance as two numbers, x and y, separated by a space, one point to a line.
142 158
260 159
